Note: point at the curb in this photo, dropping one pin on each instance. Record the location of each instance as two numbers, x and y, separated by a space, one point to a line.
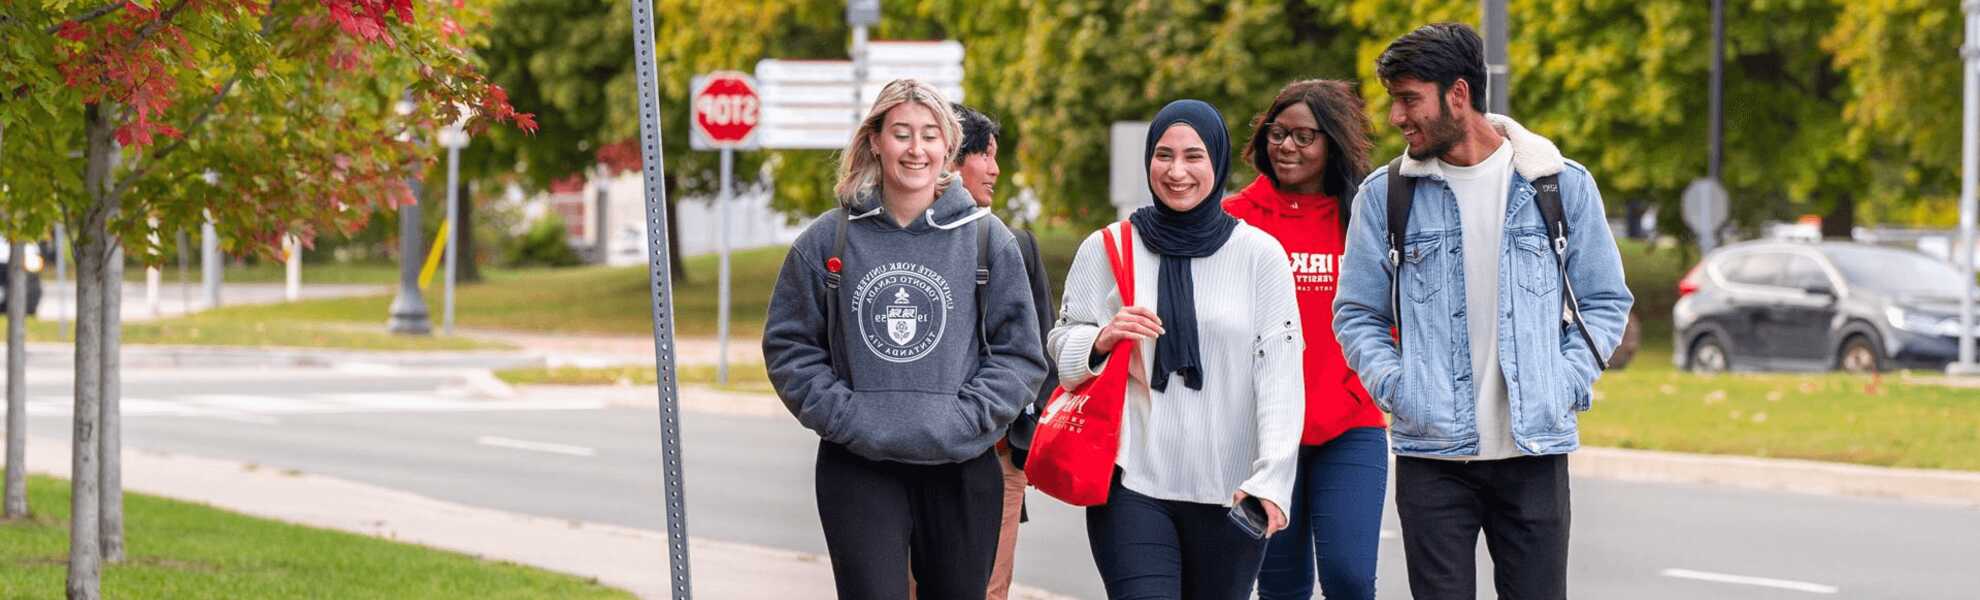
1958 488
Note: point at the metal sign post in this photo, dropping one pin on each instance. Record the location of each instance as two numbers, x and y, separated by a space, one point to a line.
726 111
654 173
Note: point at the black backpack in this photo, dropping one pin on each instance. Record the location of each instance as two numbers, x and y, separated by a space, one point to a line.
1402 193
835 330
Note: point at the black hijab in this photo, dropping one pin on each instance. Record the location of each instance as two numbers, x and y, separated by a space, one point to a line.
1181 236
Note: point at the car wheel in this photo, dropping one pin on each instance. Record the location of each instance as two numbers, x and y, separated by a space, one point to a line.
1859 355
1708 355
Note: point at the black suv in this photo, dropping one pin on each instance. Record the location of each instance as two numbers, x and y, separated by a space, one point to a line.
1817 306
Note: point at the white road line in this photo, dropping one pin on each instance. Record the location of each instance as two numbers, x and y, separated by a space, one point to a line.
502 442
1785 584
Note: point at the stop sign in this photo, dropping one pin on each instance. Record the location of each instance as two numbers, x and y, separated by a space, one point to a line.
726 108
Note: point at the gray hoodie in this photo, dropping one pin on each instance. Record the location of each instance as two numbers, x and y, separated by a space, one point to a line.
921 390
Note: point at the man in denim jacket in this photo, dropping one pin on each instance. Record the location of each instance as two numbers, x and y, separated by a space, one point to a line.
1484 389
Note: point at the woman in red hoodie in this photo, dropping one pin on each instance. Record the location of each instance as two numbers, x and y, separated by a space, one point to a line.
1311 150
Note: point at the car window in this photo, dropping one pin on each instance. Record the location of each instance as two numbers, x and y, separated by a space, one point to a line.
1804 273
1895 271
1761 268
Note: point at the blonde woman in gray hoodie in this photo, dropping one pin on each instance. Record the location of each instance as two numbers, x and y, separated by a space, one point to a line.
902 331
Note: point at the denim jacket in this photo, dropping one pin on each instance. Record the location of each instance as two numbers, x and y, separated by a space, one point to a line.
1426 386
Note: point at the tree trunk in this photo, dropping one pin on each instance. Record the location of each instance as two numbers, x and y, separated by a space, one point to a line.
468 271
85 556
16 502
675 264
112 436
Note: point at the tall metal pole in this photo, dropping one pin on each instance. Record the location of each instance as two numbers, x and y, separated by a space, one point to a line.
722 237
654 170
859 72
1969 186
409 308
209 263
185 287
291 267
454 228
1498 71
1715 132
62 257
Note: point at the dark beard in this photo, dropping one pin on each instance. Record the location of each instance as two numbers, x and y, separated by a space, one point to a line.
1440 135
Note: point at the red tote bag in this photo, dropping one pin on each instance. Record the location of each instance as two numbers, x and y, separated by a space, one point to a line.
1079 436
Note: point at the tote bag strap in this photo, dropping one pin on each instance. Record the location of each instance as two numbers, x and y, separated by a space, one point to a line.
1122 259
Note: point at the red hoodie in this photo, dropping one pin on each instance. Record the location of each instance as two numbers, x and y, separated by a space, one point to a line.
1309 226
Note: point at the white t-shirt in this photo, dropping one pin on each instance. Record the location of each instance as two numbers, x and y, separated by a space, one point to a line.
1481 196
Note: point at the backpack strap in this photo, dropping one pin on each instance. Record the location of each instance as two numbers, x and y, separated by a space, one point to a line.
834 327
1402 194
1549 201
983 281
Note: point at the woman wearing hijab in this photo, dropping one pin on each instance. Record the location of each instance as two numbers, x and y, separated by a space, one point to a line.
1214 403
1311 150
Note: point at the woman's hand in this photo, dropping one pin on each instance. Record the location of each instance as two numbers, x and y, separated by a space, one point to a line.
1275 519
1137 323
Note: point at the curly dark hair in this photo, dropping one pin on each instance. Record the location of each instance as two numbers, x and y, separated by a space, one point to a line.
1343 122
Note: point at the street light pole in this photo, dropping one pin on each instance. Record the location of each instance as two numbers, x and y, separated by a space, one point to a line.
409 308
1969 188
454 138
1718 91
1498 71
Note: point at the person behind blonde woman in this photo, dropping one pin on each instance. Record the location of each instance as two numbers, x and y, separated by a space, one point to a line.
976 164
1214 401
902 331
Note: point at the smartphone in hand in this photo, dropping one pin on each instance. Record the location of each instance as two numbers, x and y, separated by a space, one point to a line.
1250 516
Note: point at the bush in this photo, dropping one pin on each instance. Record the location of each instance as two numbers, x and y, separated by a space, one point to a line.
543 245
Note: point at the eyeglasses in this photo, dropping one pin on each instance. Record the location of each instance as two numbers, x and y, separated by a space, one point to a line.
1301 136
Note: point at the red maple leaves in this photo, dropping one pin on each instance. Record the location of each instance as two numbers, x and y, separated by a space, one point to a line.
365 19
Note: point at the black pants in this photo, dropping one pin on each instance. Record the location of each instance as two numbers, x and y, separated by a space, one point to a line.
1149 549
1520 503
881 517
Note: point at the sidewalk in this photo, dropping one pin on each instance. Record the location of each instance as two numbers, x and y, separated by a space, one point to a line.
626 558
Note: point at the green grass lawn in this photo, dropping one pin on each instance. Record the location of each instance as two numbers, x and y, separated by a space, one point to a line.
1896 420
271 327
742 377
380 273
183 550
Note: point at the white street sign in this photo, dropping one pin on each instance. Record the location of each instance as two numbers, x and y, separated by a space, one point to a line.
809 104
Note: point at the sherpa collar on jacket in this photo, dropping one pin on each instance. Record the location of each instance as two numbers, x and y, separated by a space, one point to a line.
1533 156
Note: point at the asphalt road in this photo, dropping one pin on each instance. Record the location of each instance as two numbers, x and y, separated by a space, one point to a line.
749 480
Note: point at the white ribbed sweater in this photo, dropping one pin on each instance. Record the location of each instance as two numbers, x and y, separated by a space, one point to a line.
1241 431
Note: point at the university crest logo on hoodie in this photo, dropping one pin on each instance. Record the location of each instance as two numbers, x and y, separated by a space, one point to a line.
903 309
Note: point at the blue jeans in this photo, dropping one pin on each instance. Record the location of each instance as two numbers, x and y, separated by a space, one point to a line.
1335 519
1149 549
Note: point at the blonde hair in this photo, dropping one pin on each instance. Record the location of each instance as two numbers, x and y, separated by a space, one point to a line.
859 164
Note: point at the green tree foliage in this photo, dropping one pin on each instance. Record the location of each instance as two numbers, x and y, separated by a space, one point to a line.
1833 107
1899 59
